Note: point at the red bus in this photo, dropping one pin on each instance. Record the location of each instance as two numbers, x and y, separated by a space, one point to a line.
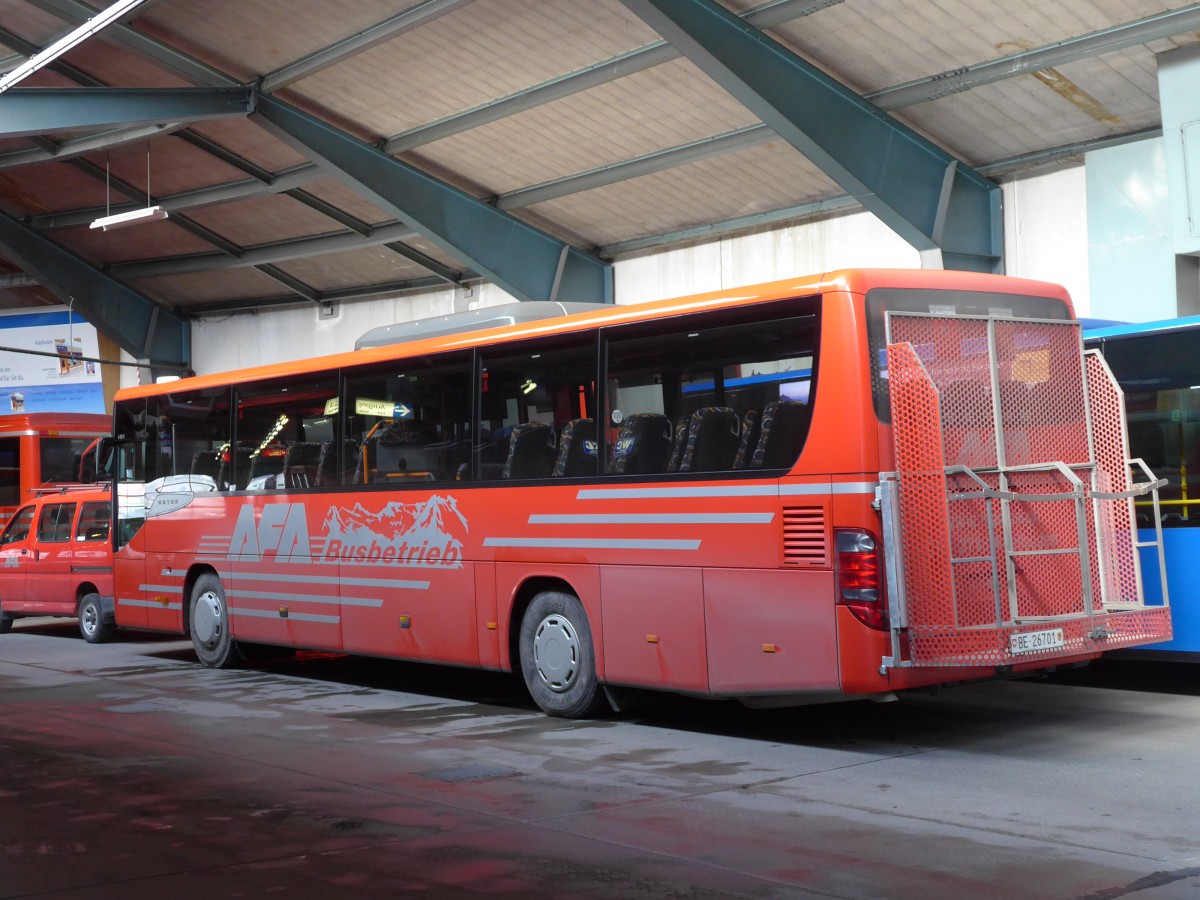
41 450
829 487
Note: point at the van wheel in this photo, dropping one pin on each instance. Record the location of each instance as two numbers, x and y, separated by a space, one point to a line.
5 624
557 659
91 620
208 620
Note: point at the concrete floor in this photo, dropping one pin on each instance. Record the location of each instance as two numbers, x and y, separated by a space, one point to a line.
127 770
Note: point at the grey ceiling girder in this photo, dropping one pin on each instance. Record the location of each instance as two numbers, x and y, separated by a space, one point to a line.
447 275
890 169
38 111
262 254
657 53
88 144
295 284
1119 37
192 70
520 258
739 139
139 326
358 43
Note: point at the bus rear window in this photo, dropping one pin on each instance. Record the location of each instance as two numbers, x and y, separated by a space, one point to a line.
880 301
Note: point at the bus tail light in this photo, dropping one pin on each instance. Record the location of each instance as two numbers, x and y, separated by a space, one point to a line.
858 572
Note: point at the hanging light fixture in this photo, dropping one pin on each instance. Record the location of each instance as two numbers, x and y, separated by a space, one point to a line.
133 216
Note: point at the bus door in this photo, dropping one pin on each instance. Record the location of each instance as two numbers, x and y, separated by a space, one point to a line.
1009 520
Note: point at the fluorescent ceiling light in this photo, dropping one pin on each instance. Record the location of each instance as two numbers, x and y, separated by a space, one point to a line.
68 42
133 217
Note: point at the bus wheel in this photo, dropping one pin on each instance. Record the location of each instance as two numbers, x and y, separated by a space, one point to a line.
557 659
209 624
5 624
91 620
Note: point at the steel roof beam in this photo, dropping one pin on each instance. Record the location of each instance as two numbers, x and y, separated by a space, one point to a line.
397 25
192 70
39 111
523 260
1119 37
657 53
950 213
139 326
262 254
78 146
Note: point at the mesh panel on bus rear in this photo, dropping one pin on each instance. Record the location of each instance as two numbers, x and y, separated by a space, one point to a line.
1116 521
925 526
1042 399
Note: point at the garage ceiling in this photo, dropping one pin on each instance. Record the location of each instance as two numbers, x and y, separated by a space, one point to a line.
574 120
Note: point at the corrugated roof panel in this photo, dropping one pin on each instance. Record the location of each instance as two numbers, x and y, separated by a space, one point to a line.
755 180
181 291
249 141
263 219
149 240
470 57
348 200
663 107
369 265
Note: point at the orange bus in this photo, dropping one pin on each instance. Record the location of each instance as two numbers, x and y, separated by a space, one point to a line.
41 450
840 486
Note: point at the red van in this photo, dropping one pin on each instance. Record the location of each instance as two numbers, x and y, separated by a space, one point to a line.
56 560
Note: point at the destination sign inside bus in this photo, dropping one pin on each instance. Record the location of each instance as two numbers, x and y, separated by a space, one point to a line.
385 409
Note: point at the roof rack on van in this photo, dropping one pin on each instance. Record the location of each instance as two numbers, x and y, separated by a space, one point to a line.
67 488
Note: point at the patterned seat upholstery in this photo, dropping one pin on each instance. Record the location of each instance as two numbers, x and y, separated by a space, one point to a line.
749 439
643 444
301 464
531 451
784 425
712 441
331 470
577 449
678 442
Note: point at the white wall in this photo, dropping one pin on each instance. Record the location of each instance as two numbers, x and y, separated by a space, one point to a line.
1045 238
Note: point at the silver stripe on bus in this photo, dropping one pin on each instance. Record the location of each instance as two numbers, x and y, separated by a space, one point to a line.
274 614
165 588
838 487
654 519
661 493
592 543
152 604
315 579
307 598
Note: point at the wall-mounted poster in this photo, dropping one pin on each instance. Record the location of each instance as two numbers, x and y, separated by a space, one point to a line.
63 381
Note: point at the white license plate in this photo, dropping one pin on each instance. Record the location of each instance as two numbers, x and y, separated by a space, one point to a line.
1036 641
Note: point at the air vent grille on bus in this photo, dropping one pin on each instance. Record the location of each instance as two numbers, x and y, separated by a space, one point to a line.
804 536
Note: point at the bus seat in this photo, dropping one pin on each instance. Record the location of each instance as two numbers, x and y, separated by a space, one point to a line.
784 423
749 439
206 462
301 464
263 463
576 449
678 442
530 451
643 444
331 470
234 462
712 441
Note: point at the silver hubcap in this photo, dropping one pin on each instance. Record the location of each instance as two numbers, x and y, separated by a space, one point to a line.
556 653
208 619
89 618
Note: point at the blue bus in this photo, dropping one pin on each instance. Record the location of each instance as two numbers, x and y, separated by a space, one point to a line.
1158 366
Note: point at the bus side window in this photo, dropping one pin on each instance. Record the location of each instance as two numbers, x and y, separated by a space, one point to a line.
731 393
94 521
537 405
408 422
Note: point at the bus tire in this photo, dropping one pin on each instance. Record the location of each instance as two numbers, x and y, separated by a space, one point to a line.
91 620
208 623
557 659
5 624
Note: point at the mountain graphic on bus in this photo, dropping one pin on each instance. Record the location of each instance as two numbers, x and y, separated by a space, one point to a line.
407 534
